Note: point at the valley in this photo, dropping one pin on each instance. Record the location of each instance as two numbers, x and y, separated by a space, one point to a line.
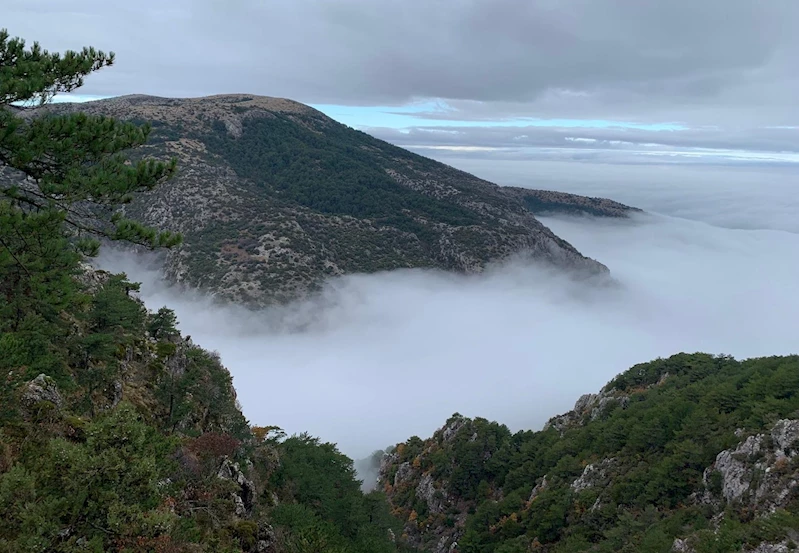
231 323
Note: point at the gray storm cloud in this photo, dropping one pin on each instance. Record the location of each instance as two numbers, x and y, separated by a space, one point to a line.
390 355
693 60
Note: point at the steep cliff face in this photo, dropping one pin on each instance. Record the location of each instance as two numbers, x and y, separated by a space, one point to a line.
273 196
690 454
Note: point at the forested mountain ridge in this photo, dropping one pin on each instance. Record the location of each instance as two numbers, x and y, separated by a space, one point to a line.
551 202
272 197
691 454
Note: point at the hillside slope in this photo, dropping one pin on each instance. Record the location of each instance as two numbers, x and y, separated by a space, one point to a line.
118 434
692 454
547 202
272 196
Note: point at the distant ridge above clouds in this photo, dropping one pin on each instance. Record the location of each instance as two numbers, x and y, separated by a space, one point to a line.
549 202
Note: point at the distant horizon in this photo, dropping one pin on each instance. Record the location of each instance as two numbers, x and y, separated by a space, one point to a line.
425 129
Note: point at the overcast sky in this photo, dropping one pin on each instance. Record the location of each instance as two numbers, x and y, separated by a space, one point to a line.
714 74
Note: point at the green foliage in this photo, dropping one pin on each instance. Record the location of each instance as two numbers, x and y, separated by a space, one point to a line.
163 324
73 161
652 444
328 511
100 490
37 284
336 173
51 169
198 394
306 531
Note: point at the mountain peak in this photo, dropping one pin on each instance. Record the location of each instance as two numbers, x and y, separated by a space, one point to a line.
273 197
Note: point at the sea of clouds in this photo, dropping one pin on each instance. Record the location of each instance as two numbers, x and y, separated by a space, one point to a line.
712 267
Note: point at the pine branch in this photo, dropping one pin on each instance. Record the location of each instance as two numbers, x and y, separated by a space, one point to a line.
12 254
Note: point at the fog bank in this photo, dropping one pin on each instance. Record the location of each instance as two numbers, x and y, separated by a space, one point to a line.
391 355
743 196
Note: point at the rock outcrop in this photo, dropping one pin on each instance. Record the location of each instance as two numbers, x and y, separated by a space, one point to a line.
435 516
245 494
40 394
762 470
641 465
588 407
594 475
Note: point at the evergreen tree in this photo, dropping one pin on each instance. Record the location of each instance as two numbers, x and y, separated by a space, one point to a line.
73 165
63 179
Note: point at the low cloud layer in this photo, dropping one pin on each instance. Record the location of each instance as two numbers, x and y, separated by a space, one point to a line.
646 146
742 196
702 61
391 355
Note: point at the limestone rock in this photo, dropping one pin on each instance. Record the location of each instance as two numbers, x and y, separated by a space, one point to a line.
267 542
91 277
538 488
593 475
451 428
605 402
435 498
243 498
760 470
584 402
592 406
39 392
404 473
387 461
781 547
736 468
786 436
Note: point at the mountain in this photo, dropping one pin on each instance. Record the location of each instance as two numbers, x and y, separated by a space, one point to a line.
118 434
273 196
694 453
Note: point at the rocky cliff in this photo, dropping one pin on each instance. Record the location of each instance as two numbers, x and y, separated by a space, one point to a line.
272 197
688 454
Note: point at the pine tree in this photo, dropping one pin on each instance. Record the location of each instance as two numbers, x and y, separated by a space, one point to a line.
73 165
63 179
